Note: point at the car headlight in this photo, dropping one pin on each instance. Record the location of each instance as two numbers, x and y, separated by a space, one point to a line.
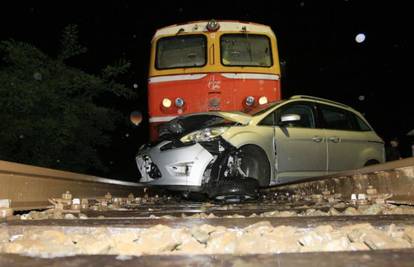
204 135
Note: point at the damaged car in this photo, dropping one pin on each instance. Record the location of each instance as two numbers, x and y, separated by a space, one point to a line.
234 153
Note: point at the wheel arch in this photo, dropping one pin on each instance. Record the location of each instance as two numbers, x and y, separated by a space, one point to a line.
265 168
370 156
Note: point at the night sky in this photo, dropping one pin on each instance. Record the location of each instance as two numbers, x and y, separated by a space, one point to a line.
316 39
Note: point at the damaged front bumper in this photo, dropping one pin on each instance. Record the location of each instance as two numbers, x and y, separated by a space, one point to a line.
179 168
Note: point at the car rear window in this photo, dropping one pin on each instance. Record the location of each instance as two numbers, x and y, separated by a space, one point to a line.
362 126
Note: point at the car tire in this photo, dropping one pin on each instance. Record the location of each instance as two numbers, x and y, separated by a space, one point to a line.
235 189
195 196
255 159
371 162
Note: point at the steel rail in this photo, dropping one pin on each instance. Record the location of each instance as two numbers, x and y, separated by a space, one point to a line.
27 184
389 258
30 187
395 178
130 222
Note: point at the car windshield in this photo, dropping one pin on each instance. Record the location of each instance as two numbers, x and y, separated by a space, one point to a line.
262 108
181 52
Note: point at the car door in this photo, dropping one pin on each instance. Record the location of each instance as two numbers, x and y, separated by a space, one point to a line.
344 142
300 145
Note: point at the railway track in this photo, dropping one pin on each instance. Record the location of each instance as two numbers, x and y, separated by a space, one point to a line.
363 218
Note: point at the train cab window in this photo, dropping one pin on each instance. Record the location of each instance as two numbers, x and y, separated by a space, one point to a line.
246 50
183 51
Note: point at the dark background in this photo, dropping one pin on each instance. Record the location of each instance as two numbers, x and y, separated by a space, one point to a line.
316 39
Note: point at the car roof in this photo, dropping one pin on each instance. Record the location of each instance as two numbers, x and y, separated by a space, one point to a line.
319 99
307 98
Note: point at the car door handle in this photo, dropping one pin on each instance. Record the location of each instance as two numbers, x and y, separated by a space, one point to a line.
334 139
317 139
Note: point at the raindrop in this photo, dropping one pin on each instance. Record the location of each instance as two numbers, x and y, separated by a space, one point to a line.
127 135
21 136
360 38
361 98
37 76
302 4
135 85
135 117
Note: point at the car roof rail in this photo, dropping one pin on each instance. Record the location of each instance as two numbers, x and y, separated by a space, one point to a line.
318 98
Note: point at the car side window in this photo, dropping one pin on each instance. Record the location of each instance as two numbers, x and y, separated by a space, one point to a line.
336 118
362 126
305 111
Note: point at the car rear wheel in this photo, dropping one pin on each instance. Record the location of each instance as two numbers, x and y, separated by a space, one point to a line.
371 162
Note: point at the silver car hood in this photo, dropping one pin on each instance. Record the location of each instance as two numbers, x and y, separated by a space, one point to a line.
196 121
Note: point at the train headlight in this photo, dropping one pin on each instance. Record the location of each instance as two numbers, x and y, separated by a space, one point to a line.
249 101
213 25
166 103
179 102
263 100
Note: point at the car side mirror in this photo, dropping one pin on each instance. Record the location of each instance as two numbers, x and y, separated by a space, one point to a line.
289 118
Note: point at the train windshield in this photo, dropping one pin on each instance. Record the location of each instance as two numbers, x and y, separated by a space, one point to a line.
181 52
246 50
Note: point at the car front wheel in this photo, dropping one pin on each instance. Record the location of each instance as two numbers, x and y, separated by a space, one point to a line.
254 164
235 189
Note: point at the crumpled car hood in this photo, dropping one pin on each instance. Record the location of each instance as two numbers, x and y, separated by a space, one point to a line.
196 121
238 117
